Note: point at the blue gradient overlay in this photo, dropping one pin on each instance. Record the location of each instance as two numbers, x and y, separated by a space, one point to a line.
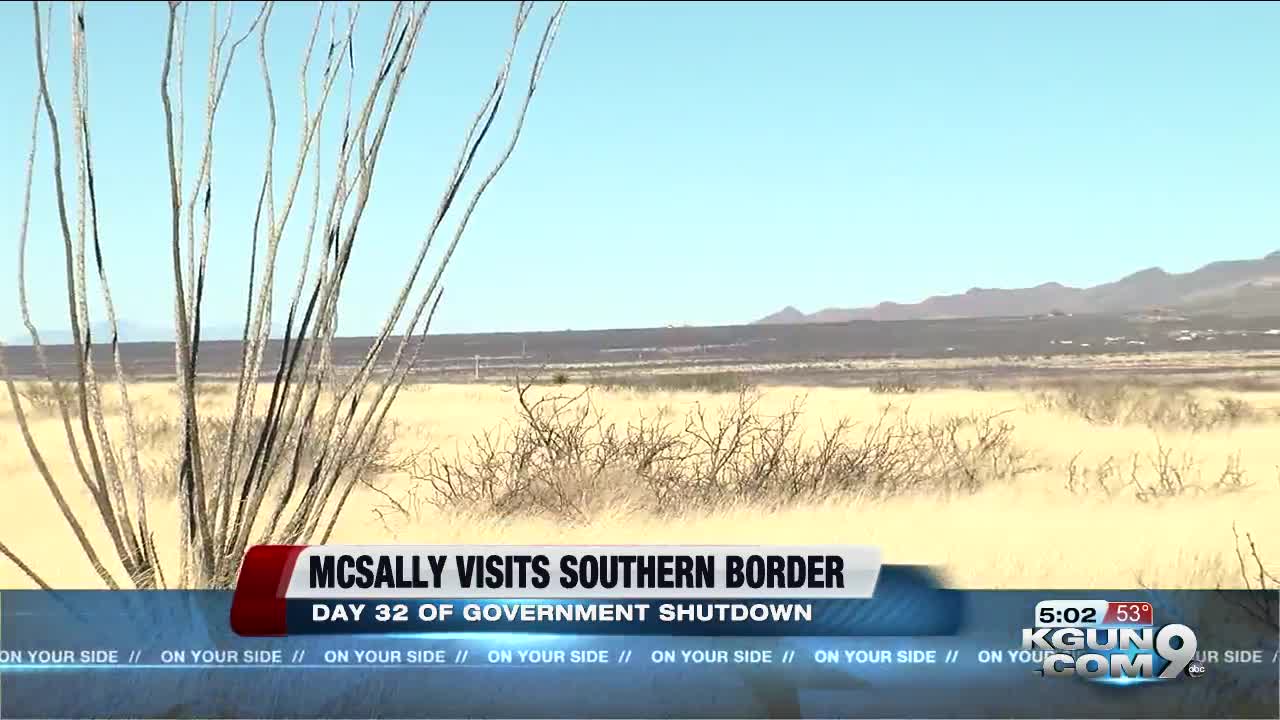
174 660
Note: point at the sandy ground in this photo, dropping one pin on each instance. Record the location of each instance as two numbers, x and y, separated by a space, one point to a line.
1032 533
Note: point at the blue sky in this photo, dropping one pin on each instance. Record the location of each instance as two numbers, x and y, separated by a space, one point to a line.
711 163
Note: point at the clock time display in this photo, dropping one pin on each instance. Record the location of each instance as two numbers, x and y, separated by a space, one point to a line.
1093 613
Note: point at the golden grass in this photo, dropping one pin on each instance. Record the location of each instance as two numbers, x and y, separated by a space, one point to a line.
1031 533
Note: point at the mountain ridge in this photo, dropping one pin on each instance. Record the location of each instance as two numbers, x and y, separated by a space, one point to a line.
1230 287
130 332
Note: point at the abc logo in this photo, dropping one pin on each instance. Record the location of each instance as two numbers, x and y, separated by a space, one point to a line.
1196 669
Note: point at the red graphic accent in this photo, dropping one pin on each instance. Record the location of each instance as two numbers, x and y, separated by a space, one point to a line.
258 606
1129 613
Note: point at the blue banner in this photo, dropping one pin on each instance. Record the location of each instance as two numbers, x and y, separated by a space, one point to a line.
918 651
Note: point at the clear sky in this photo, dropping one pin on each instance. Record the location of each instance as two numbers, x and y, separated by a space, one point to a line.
711 163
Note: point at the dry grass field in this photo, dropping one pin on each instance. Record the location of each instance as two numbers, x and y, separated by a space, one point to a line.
1080 484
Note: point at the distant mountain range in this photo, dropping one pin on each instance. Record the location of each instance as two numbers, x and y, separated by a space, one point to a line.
1233 287
100 332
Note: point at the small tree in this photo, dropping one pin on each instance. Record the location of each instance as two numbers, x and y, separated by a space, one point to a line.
224 509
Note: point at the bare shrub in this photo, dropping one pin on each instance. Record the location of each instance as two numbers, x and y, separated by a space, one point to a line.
1156 476
978 384
703 382
561 455
1263 601
1103 478
162 478
208 389
45 398
897 386
1153 406
1253 382
51 399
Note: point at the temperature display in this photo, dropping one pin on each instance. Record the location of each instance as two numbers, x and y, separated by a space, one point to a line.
1094 613
1129 613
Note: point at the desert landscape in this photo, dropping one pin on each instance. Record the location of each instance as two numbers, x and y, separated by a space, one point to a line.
839 353
1087 430
992 287
1068 470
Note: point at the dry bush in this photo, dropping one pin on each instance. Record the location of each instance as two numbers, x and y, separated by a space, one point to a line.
704 382
562 458
43 399
1156 476
898 386
1263 603
371 458
1153 406
40 399
1245 618
209 389
1253 382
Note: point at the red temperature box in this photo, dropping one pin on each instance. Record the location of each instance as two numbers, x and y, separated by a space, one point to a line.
1129 613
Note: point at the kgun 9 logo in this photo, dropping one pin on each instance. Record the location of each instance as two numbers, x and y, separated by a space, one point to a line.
1115 653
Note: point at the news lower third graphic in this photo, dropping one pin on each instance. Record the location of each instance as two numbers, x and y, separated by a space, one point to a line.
1109 641
623 632
709 590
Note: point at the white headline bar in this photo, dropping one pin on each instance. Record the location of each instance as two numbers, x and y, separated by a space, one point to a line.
584 571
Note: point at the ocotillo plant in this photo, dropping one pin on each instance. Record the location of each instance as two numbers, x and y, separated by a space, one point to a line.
227 506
